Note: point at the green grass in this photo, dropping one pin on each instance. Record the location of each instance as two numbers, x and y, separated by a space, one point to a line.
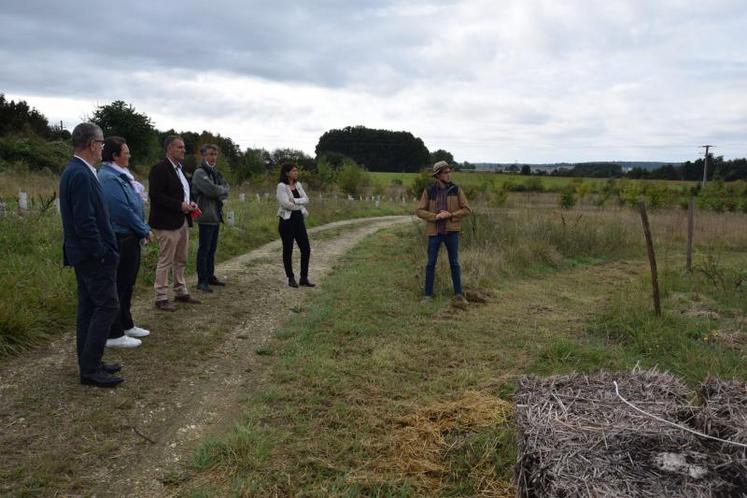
38 295
477 178
351 367
682 340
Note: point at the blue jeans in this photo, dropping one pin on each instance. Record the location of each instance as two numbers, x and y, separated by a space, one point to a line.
451 240
206 252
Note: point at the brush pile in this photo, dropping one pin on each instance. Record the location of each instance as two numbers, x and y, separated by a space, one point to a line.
578 438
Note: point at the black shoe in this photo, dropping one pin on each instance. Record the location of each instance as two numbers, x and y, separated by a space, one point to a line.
111 368
305 282
204 287
216 282
100 379
292 282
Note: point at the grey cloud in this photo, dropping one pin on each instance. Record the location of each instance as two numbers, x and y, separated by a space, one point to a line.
280 41
624 71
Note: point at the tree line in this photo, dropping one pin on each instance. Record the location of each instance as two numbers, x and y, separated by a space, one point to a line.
27 140
718 169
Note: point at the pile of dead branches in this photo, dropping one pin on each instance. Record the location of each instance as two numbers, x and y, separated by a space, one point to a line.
577 437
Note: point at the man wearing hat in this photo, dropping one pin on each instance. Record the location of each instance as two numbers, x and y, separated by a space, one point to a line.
443 205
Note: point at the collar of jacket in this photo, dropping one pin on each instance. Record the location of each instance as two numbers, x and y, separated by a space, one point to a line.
434 188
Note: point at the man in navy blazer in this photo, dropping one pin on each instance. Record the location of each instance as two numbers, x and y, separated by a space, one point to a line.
91 248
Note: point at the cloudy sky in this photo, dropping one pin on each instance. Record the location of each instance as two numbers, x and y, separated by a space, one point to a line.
489 81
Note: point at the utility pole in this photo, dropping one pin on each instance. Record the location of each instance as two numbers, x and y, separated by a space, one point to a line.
705 162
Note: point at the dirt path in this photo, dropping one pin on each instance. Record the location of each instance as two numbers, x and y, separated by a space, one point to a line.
60 438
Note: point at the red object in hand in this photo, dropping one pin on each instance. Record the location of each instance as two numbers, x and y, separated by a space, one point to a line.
196 213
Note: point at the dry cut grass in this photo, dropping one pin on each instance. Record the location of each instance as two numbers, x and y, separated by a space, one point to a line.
419 443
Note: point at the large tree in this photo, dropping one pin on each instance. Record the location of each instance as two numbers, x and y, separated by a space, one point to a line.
18 117
121 119
442 155
376 150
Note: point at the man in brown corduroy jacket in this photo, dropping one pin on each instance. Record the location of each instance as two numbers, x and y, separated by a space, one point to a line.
443 205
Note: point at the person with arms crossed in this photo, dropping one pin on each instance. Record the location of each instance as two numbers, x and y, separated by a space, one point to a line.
293 201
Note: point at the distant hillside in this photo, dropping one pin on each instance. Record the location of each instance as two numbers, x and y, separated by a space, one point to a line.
625 165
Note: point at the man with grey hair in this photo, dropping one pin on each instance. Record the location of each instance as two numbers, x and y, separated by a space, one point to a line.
210 189
171 216
91 248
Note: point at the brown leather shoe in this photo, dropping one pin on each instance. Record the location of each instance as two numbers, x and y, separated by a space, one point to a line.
165 306
186 298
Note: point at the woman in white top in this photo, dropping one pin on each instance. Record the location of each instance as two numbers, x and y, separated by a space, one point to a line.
293 201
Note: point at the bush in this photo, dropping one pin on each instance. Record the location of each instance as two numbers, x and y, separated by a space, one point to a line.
422 182
352 179
35 152
499 198
534 184
568 197
325 173
252 165
584 189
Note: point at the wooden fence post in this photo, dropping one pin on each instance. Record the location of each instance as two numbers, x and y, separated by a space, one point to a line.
690 224
651 258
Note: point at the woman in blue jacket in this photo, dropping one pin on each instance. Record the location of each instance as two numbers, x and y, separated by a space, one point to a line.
123 196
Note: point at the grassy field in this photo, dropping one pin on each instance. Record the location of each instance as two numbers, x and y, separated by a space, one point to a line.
394 397
37 298
477 178
367 391
473 179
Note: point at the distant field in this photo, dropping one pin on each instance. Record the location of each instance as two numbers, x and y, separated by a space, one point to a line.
477 178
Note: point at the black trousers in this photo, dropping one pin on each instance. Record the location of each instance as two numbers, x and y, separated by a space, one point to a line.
129 265
206 252
295 229
98 306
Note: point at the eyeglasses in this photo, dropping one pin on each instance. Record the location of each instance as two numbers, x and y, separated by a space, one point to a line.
96 141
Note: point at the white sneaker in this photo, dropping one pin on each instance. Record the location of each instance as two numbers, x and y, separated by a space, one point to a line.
123 342
137 332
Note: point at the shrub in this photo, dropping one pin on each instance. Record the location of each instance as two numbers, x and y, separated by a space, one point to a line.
584 189
568 198
325 173
499 198
351 178
534 184
35 152
422 182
